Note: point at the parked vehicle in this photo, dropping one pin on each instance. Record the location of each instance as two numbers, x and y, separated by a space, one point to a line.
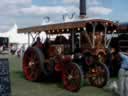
85 55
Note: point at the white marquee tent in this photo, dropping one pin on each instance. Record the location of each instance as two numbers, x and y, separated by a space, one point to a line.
19 38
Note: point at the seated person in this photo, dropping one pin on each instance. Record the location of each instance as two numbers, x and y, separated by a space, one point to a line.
38 43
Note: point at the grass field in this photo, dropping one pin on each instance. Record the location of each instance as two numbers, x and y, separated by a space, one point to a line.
22 87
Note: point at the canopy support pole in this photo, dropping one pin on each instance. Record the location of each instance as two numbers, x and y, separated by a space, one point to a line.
105 36
28 39
93 34
73 46
110 39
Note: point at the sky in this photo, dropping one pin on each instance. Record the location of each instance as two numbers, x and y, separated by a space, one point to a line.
27 13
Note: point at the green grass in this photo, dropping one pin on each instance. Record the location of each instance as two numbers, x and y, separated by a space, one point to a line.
22 87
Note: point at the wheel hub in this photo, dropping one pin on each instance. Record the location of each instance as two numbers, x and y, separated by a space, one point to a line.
70 77
31 63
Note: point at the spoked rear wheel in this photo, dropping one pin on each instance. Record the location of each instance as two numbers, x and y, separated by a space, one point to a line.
98 75
31 64
72 77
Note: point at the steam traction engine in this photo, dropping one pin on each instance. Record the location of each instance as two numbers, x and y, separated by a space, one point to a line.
83 56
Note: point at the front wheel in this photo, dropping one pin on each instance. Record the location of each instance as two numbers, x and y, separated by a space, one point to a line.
72 77
98 75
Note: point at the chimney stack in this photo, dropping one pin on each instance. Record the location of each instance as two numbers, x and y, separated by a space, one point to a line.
82 9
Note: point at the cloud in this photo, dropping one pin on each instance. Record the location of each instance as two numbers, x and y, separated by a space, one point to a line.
48 10
99 10
89 2
5 27
12 7
9 9
26 13
94 7
71 1
15 2
93 2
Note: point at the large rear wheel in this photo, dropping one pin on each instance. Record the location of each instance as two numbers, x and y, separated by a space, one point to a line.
72 77
98 75
31 64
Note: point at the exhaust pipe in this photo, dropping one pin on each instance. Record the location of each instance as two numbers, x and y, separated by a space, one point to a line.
82 9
